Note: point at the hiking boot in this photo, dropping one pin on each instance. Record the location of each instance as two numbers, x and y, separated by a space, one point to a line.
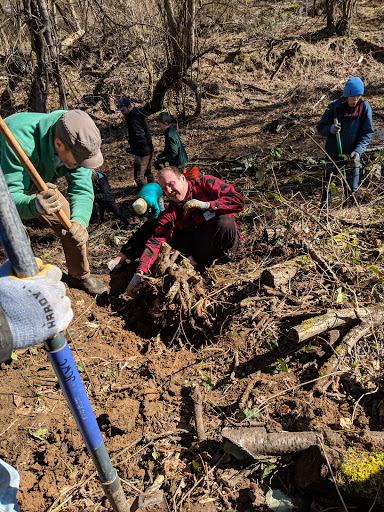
89 284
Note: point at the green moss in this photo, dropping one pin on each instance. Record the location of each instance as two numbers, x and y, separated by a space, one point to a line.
294 8
361 474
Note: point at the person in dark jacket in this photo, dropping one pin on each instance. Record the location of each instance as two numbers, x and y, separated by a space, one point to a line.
174 153
140 140
351 117
104 198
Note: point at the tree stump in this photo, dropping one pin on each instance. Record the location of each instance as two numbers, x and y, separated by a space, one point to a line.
279 275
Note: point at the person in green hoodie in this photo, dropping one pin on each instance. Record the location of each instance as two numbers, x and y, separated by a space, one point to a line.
174 153
59 143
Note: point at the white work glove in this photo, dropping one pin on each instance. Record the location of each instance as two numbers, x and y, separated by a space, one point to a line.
48 202
77 232
196 203
335 128
36 308
133 285
356 157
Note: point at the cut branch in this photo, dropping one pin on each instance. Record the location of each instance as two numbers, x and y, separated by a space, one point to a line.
332 320
198 413
372 318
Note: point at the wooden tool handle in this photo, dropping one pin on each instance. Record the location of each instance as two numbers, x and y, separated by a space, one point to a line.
29 167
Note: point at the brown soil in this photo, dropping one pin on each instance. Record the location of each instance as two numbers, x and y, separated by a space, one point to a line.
138 377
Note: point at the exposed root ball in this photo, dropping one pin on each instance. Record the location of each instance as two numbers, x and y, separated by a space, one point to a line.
175 294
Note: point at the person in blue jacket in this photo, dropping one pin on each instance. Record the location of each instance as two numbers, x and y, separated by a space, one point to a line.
150 201
351 117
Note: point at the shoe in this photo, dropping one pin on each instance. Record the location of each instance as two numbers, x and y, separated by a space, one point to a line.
101 270
104 270
89 284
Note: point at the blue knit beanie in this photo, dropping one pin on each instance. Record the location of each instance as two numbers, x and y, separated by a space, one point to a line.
353 87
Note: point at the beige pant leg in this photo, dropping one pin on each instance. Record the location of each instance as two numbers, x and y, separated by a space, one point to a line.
75 257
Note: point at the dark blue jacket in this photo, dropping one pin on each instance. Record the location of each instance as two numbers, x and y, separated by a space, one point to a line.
356 132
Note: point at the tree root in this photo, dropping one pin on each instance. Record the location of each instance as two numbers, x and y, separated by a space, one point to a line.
175 294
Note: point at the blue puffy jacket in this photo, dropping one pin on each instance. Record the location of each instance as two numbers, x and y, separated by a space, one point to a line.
356 132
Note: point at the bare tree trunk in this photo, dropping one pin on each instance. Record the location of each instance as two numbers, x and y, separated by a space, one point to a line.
330 9
54 60
180 27
39 91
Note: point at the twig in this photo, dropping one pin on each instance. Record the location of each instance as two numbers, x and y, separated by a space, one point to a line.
264 404
244 397
198 413
281 295
362 396
332 475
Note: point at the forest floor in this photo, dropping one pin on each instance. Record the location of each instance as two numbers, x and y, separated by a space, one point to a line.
140 377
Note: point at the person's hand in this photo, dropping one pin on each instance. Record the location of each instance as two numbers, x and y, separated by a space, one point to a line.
196 203
356 157
36 308
134 285
48 202
77 232
335 128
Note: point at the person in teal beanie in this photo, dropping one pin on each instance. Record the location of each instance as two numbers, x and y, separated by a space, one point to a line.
351 117
150 202
63 142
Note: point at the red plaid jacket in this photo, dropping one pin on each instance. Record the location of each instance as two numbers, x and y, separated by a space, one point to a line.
224 201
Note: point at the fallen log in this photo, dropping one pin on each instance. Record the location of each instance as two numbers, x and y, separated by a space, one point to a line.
279 275
331 320
259 444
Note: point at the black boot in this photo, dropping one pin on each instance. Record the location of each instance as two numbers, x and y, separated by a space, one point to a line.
89 284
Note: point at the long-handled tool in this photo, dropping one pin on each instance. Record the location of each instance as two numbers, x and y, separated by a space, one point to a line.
19 252
338 137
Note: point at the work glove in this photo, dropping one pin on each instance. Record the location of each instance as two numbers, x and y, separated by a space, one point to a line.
335 128
356 157
134 285
36 308
196 203
48 202
77 232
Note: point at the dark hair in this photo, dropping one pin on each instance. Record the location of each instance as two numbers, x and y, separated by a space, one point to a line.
177 172
344 100
164 117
